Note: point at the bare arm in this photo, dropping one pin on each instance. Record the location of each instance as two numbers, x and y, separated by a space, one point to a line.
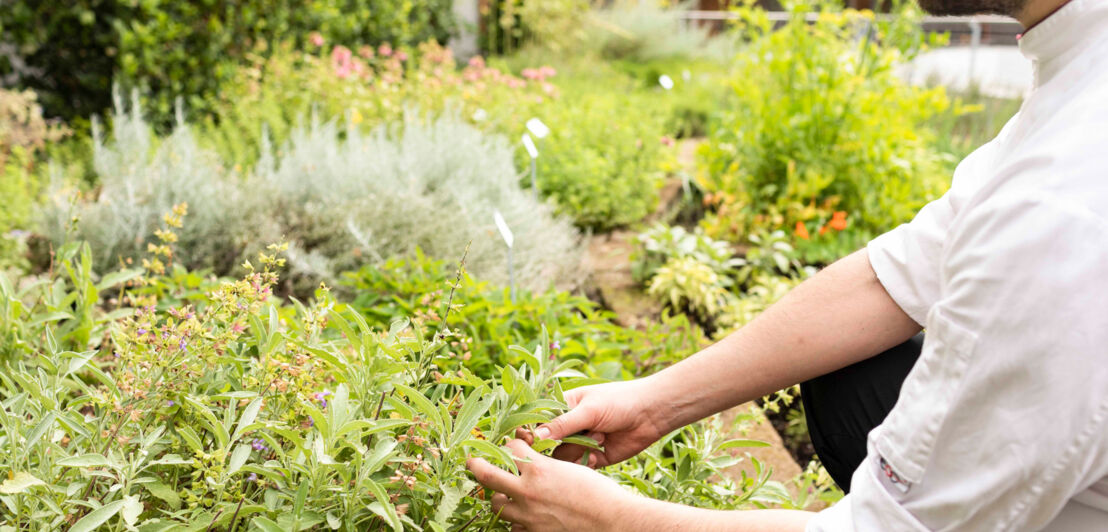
840 316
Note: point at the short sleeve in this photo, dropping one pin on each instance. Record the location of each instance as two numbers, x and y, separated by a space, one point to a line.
906 259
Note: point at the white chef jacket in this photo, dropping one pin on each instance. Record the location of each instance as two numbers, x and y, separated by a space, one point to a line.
1003 422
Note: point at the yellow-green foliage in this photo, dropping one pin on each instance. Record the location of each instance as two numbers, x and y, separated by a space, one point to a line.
821 123
23 135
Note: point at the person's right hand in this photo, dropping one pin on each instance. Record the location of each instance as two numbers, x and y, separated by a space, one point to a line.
619 415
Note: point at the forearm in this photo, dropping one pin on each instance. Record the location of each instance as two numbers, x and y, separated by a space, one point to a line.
838 317
648 515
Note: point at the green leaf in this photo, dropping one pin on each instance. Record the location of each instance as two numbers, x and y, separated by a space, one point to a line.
40 428
520 419
85 460
451 497
583 441
423 404
541 445
489 450
49 316
19 483
266 524
731 444
165 493
117 278
382 506
132 509
238 458
213 423
249 414
468 417
97 517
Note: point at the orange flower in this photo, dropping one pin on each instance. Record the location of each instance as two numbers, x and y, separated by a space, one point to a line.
838 220
802 231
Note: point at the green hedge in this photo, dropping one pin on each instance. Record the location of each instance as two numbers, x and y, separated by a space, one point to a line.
72 51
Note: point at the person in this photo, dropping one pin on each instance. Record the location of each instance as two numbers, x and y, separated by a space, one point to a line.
995 419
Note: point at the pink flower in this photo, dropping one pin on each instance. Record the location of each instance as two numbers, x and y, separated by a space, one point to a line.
342 60
547 72
531 73
384 50
667 141
366 52
316 39
477 62
402 56
341 54
516 83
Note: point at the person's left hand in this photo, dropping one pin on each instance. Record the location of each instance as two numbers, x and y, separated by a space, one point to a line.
552 495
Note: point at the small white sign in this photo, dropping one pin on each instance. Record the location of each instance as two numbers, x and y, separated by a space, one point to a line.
537 128
502 226
530 146
666 82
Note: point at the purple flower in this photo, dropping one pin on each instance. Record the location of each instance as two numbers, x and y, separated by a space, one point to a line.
141 332
252 478
170 403
182 344
259 445
321 397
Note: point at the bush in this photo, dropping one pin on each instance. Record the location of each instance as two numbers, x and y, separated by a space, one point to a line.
602 162
73 52
645 31
492 321
24 135
821 123
342 199
368 85
233 410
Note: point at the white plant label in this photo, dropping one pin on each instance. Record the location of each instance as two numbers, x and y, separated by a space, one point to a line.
502 226
666 82
480 115
530 146
537 128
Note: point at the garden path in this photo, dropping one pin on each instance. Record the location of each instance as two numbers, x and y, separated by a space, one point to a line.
608 261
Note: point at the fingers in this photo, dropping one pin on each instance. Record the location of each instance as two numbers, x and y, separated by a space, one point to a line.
573 453
525 435
493 477
571 422
502 506
520 449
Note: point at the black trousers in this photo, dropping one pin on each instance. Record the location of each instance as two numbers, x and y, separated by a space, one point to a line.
843 406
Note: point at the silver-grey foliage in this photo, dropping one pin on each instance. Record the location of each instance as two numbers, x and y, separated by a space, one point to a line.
341 197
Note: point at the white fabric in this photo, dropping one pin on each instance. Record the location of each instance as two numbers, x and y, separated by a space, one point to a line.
1001 424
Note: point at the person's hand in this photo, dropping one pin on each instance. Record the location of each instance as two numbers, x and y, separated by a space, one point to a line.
619 415
552 495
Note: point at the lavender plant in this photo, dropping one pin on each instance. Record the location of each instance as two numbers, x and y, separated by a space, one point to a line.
340 197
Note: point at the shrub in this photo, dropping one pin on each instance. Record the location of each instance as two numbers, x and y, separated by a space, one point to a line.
492 322
368 85
342 199
657 245
233 410
645 31
74 51
24 134
601 163
821 123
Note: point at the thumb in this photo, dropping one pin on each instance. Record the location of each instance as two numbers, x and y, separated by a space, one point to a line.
567 424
